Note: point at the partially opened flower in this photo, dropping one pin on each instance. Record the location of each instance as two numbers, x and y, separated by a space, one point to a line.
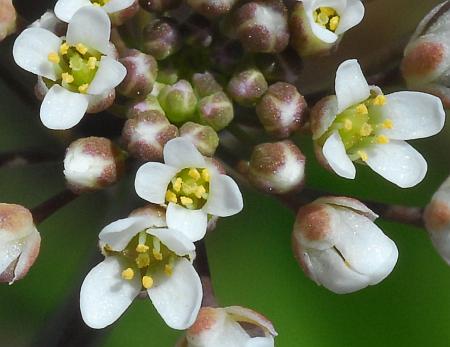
317 25
191 187
142 254
338 245
361 124
79 69
220 327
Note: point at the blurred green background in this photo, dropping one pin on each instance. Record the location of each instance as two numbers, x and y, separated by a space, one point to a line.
250 254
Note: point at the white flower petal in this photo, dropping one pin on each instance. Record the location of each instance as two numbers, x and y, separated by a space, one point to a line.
177 298
224 198
192 223
90 26
350 85
152 180
397 162
9 252
323 34
334 152
117 5
266 341
119 233
414 115
62 109
105 295
175 240
243 314
351 16
29 253
109 75
181 153
65 9
349 203
31 50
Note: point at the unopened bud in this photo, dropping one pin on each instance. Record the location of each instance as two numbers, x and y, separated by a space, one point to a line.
92 163
159 5
149 104
216 110
19 242
202 136
261 26
141 74
161 38
120 16
178 101
211 8
146 134
8 19
277 168
338 245
282 109
247 87
205 84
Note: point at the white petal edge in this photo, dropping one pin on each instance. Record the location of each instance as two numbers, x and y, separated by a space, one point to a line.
224 198
243 314
397 162
61 109
352 16
31 50
119 233
266 341
177 298
117 5
30 251
414 115
152 180
109 75
90 26
175 240
334 152
9 252
350 85
105 295
181 153
192 223
65 9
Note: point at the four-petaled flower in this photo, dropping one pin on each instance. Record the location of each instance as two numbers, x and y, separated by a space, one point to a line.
79 69
360 124
191 187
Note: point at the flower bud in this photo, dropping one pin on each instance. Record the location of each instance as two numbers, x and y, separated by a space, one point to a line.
159 5
161 38
437 220
247 87
178 101
205 84
211 8
338 245
202 136
19 242
51 23
285 66
426 58
141 74
92 163
149 104
261 26
146 134
281 110
119 17
216 110
8 19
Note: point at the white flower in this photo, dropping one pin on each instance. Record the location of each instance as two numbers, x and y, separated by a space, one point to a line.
81 68
65 9
338 246
142 254
219 327
360 124
191 187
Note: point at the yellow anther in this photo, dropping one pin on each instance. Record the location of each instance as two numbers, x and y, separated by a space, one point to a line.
334 22
107 248
199 192
142 248
348 124
54 57
96 4
142 260
64 48
157 254
128 274
382 139
168 269
177 184
362 109
329 11
147 282
366 129
67 77
81 48
363 155
194 174
205 175
388 124
92 63
83 88
171 196
186 201
380 100
315 16
322 19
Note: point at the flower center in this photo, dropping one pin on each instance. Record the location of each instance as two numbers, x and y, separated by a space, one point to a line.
99 2
327 17
189 188
76 65
359 126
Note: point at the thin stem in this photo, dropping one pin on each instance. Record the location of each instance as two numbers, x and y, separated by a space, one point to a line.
26 157
50 206
202 267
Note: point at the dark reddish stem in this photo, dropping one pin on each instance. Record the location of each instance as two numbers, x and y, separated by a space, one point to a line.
202 267
50 206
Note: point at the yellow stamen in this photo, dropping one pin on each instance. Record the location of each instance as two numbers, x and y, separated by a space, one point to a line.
168 269
83 88
334 22
363 155
64 48
328 11
128 274
177 184
205 175
107 248
171 196
322 19
54 57
81 48
380 100
157 254
199 192
67 77
382 139
194 174
92 63
186 201
362 109
388 124
147 282
142 260
142 248
366 129
348 124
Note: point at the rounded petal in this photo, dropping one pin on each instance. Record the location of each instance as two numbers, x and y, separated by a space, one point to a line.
266 341
322 33
243 314
109 75
353 15
62 109
30 251
175 240
350 85
90 26
177 298
181 153
118 234
397 162
117 5
9 252
192 223
414 115
105 295
336 156
152 180
31 50
224 198
65 9
349 203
